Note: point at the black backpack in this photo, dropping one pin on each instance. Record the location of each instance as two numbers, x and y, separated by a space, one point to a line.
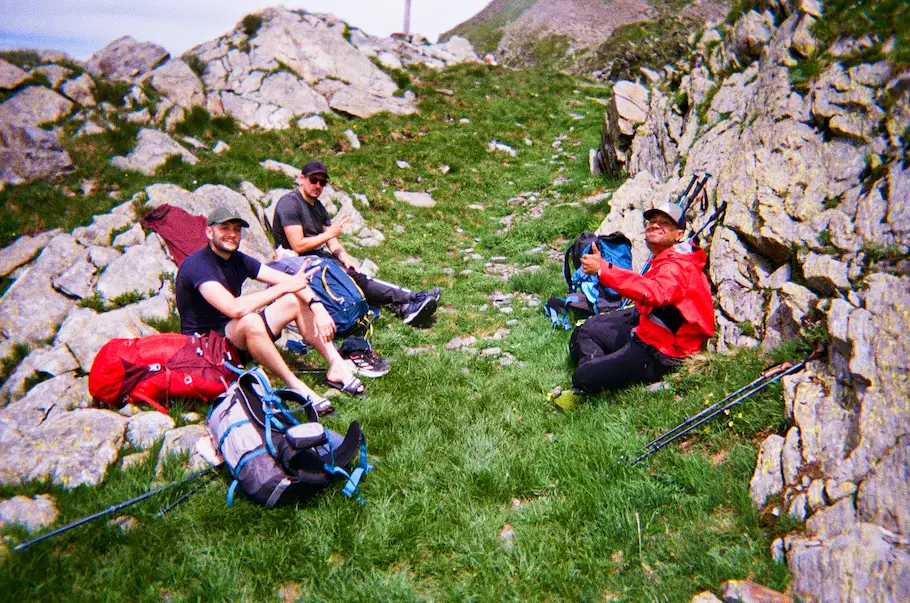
586 296
274 458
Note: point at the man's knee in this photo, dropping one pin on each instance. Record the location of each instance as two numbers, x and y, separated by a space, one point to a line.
251 324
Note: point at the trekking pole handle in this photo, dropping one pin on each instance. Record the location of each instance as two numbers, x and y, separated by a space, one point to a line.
685 193
698 189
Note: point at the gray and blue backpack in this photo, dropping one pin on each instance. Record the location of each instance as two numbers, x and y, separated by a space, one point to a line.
274 457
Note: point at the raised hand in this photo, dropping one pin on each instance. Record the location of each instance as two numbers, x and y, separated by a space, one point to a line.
590 262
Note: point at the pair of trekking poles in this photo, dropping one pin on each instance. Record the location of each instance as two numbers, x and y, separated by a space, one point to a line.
767 377
111 510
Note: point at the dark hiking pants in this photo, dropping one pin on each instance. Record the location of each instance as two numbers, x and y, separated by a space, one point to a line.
381 293
609 356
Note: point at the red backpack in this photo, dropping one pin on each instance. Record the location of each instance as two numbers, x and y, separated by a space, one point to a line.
155 368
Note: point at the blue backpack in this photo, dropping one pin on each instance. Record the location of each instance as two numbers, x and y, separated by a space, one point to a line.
338 292
586 295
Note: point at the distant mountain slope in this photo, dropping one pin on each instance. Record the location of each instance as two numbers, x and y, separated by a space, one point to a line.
574 34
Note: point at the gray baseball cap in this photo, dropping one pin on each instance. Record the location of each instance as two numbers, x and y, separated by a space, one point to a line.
223 214
672 211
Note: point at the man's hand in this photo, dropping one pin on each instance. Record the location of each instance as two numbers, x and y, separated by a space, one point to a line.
348 261
335 228
590 262
325 326
302 279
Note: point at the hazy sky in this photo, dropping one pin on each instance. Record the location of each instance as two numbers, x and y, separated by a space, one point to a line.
80 27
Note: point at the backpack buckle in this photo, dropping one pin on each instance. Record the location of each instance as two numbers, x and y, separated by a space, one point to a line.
155 367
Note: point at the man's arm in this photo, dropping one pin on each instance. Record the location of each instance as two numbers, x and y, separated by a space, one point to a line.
325 325
236 307
661 287
302 245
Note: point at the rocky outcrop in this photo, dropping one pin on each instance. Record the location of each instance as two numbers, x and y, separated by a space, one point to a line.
28 153
816 187
126 59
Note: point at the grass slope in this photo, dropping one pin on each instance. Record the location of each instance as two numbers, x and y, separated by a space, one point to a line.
466 449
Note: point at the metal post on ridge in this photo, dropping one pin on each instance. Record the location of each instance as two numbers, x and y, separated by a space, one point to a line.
407 17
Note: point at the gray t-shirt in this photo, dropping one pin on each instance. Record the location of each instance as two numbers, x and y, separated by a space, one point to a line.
293 210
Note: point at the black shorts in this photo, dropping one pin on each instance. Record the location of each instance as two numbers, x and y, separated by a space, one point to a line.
245 356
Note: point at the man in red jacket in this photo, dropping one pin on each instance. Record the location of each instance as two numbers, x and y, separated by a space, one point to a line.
673 315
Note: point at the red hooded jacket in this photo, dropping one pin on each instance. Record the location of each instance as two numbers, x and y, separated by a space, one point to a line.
676 278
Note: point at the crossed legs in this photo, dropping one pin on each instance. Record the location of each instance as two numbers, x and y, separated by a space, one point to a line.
250 333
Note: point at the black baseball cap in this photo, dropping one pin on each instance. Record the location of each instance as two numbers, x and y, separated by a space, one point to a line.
314 167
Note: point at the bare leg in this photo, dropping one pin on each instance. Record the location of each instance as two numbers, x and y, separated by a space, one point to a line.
248 333
290 308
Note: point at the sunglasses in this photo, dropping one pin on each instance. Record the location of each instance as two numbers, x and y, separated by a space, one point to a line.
319 181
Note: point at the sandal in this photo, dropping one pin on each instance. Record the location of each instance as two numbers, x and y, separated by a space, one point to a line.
323 407
352 387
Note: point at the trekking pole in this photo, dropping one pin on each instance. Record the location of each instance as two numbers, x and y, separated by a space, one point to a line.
765 375
685 193
165 510
717 215
110 510
770 376
698 189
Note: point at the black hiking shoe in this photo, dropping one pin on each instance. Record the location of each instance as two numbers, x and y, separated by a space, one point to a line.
421 307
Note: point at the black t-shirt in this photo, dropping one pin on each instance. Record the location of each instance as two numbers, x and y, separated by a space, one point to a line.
293 210
196 314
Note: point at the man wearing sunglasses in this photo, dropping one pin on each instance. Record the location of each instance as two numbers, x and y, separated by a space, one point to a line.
302 225
673 315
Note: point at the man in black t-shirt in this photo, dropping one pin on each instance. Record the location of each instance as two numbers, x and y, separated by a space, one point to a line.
208 290
301 224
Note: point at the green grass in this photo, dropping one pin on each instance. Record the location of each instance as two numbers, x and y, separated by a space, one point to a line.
456 437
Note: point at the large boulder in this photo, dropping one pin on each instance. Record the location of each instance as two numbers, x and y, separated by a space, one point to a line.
31 310
179 83
29 153
11 76
152 149
34 106
126 59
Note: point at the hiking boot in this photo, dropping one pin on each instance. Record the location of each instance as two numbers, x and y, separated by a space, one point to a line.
421 307
368 364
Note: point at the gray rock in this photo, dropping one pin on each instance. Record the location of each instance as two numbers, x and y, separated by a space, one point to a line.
799 507
816 495
825 274
706 597
88 441
289 170
145 428
791 457
750 34
126 59
364 104
54 361
22 250
194 142
135 459
77 280
134 236
102 256
353 140
415 199
884 497
99 231
153 149
28 153
803 41
835 491
33 513
54 74
139 269
85 332
204 199
31 309
746 591
221 147
312 122
179 83
10 75
628 106
81 90
768 477
34 106
182 440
